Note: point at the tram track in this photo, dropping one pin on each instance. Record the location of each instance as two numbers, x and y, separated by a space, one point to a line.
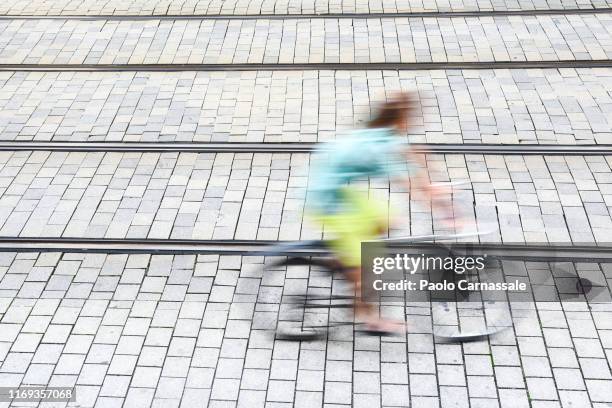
523 252
370 66
311 16
299 147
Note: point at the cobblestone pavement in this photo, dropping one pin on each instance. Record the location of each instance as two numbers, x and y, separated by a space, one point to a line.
490 106
237 7
170 331
188 331
261 196
574 37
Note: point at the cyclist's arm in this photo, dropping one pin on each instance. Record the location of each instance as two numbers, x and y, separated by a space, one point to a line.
419 176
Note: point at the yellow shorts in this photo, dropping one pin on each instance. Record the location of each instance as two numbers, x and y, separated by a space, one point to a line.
362 219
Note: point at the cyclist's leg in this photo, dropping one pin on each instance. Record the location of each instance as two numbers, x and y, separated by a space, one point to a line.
370 221
361 220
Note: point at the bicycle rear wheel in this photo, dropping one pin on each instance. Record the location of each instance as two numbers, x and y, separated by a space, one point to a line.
306 301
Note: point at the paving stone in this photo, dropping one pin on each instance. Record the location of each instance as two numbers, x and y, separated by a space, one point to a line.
147 345
534 38
254 7
95 100
512 228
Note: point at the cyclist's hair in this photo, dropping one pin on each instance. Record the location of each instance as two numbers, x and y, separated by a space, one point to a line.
398 107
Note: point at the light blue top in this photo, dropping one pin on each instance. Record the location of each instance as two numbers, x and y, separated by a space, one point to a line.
364 153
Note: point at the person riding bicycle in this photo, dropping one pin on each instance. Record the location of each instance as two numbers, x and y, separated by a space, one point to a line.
349 214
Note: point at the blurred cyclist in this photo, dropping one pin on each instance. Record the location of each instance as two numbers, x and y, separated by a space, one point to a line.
378 150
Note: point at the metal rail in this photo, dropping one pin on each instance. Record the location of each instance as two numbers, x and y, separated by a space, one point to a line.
298 147
378 66
312 16
523 252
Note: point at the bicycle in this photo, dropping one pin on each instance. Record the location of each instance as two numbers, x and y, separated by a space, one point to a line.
309 309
